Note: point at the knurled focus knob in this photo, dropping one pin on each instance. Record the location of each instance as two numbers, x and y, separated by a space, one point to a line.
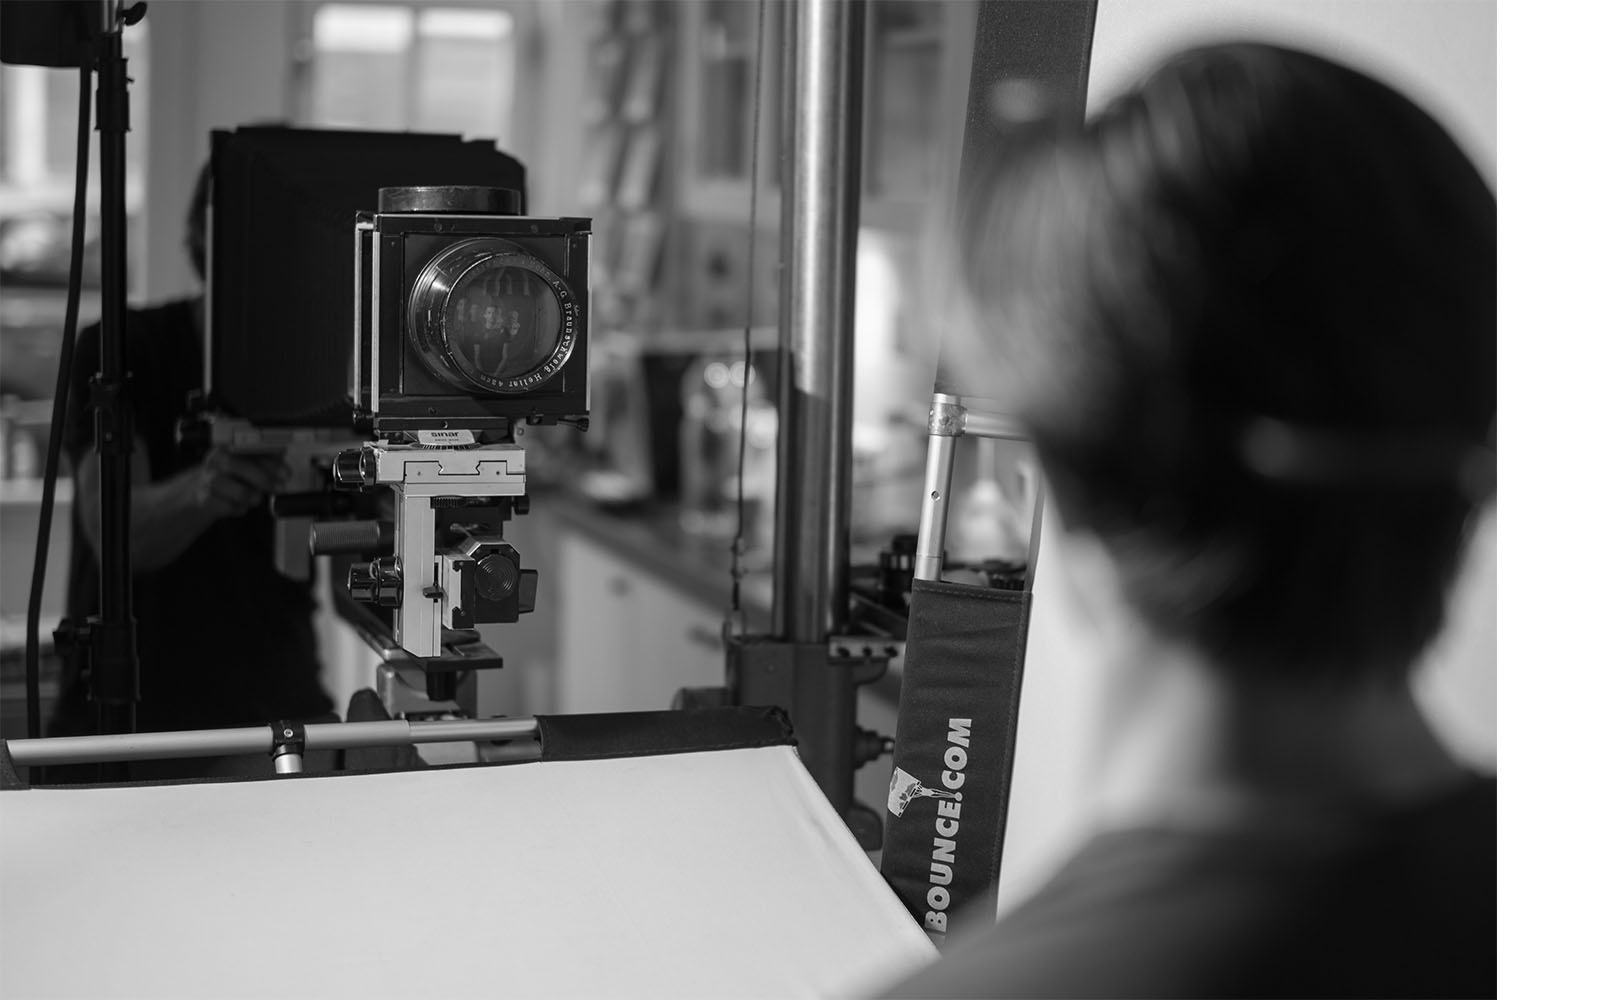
497 577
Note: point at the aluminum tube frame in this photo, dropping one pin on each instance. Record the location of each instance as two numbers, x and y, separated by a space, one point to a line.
995 426
947 422
821 215
931 529
258 739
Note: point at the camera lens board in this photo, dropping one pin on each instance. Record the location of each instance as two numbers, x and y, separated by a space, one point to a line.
469 321
486 315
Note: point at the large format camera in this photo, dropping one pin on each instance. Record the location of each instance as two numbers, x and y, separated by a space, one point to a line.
470 319
379 305
468 315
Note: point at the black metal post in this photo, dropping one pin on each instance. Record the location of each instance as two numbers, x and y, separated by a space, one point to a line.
114 665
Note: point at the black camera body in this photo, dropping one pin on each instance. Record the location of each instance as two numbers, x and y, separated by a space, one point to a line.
468 316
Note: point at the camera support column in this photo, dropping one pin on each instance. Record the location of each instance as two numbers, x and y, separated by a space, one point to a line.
421 477
417 627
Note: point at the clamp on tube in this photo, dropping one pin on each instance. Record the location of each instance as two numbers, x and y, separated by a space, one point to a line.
288 747
947 421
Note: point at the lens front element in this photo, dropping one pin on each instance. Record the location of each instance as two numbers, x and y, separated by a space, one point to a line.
488 316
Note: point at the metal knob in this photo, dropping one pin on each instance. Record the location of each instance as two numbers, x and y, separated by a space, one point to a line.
387 571
362 584
379 582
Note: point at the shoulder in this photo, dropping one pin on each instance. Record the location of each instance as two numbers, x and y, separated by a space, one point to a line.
165 319
1137 913
1445 849
1258 910
1454 830
1417 902
161 324
149 329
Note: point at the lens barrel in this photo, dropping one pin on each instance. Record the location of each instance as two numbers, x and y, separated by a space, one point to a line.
450 199
488 316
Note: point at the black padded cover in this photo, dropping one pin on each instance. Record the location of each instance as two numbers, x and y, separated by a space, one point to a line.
9 778
648 734
954 746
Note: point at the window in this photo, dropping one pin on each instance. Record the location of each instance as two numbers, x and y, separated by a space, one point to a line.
907 56
38 152
394 67
728 53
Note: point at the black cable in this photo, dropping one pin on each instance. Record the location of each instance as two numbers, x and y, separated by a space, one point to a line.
737 548
52 458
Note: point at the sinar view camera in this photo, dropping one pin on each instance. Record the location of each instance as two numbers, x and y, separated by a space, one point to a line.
470 321
429 326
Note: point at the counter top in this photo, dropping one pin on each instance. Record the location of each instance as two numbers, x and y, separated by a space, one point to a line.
651 536
26 492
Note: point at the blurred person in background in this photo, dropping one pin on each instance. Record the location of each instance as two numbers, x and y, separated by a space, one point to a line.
1250 313
223 639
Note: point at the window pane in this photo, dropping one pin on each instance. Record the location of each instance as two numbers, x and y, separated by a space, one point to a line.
6 115
480 25
361 28
61 122
359 66
22 89
727 49
907 57
464 68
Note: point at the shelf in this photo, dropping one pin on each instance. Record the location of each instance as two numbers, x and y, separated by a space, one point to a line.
55 195
31 492
929 36
34 305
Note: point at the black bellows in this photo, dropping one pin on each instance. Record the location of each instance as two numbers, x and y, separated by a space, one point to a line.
284 204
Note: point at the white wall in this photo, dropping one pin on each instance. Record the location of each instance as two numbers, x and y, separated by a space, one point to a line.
225 63
1442 55
212 65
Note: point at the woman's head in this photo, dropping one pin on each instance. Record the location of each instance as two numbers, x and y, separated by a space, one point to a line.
1249 311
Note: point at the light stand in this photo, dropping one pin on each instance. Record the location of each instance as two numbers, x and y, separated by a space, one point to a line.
113 657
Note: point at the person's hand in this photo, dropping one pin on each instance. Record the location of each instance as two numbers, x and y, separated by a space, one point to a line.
228 484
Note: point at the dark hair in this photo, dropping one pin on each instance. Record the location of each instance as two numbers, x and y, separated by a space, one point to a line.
1250 314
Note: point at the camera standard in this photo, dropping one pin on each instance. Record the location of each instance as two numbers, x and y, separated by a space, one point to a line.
470 319
468 316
